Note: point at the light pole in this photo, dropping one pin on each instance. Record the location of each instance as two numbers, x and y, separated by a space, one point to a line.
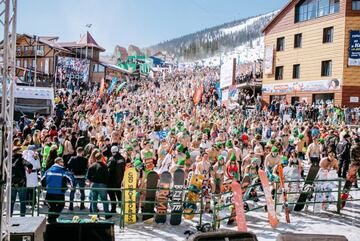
36 38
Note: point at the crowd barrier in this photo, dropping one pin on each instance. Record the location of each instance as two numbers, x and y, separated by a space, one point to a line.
38 202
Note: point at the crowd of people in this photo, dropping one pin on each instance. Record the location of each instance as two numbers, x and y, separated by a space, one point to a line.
91 139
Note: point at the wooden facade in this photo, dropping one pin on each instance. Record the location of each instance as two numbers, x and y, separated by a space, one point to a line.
313 51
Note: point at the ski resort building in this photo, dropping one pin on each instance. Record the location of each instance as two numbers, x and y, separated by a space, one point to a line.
312 53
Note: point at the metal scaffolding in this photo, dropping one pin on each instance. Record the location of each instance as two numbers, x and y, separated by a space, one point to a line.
7 77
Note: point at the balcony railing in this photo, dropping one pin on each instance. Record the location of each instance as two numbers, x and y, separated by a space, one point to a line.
30 53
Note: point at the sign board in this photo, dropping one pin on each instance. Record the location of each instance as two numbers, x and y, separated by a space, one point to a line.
227 74
354 99
269 58
306 86
354 48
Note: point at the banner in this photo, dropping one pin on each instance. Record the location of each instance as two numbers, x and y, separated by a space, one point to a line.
227 74
354 48
268 59
102 88
112 85
233 92
73 68
306 86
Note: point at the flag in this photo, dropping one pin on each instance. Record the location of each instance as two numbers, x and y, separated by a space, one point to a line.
112 85
198 94
120 87
102 87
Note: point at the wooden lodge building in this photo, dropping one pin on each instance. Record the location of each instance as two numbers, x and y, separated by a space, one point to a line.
312 53
44 50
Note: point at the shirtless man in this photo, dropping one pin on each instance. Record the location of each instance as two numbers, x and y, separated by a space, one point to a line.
203 168
271 160
314 152
329 163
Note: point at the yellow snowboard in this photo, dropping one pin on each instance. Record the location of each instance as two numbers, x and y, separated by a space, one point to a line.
130 196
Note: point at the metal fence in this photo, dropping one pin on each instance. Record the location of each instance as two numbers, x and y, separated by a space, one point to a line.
38 202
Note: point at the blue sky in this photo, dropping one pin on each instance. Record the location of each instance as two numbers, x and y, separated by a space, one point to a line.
139 22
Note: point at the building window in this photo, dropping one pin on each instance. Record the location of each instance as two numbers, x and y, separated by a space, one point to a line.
326 68
25 63
356 5
328 35
296 71
279 71
18 63
33 63
280 44
298 40
101 68
311 9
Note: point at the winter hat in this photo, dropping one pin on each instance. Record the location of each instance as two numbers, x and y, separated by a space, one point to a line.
148 155
114 149
274 149
254 160
220 157
233 157
181 162
321 140
180 148
301 136
229 144
128 148
284 160
187 154
138 163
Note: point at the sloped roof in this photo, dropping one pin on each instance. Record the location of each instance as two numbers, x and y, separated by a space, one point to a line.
45 40
280 14
85 41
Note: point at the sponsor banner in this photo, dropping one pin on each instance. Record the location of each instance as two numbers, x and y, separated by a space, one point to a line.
73 68
354 48
233 92
226 74
306 86
354 99
269 57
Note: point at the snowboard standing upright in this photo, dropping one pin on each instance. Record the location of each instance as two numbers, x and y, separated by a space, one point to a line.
130 195
151 184
314 169
162 196
282 184
269 201
239 207
177 197
193 194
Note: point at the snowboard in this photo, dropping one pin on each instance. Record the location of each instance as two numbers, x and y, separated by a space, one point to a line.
314 169
239 207
350 178
130 195
269 201
195 188
282 184
177 196
151 185
162 197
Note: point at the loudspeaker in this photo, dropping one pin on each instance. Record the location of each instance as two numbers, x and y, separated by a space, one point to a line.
27 228
80 232
224 235
309 237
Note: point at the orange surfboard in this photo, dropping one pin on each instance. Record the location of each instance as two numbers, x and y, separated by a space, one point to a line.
239 207
269 201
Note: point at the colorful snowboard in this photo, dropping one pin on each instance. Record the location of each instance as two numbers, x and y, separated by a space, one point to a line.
130 196
195 188
162 197
177 197
350 179
239 207
282 184
314 169
269 201
151 185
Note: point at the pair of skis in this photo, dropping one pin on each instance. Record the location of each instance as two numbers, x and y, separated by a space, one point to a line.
152 196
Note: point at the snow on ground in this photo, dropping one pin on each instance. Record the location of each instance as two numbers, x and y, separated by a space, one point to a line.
326 222
245 24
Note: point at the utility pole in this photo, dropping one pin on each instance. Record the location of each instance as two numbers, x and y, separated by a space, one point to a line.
7 78
36 38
